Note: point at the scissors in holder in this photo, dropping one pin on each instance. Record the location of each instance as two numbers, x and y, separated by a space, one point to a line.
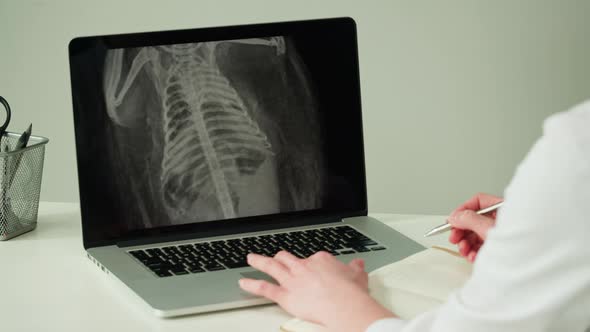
7 120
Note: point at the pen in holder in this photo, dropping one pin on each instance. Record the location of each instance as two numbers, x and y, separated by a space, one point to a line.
21 171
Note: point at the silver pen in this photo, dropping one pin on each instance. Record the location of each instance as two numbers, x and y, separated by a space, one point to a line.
446 227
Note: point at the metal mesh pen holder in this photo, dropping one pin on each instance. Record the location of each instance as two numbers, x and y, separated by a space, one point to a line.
20 184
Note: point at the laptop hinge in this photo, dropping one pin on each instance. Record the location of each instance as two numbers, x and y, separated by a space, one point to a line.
251 228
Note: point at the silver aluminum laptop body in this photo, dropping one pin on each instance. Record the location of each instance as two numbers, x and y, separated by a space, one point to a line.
218 290
193 136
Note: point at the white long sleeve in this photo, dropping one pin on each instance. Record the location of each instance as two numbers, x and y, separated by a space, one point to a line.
533 272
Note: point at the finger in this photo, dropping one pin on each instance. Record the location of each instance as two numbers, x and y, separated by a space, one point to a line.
360 276
473 239
472 221
262 288
268 265
471 204
464 247
322 259
456 235
480 241
357 264
471 256
478 202
321 255
477 247
287 259
486 200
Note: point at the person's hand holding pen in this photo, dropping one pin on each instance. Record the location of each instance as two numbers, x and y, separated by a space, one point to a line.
469 228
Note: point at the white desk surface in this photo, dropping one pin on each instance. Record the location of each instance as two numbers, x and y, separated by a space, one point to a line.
48 284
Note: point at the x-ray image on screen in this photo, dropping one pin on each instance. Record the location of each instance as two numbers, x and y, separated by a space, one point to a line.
211 130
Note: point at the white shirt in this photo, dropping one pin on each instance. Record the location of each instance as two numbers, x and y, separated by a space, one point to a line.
533 272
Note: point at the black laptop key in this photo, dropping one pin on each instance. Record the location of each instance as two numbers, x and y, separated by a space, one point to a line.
177 267
361 249
332 233
267 252
236 264
368 242
157 265
327 247
187 251
228 246
378 248
204 258
196 269
342 229
163 274
348 236
361 242
248 241
297 254
173 261
333 236
214 267
138 254
169 250
336 246
161 270
152 260
321 234
345 252
154 252
235 253
306 252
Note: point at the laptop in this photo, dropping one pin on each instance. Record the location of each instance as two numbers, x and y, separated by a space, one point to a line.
196 147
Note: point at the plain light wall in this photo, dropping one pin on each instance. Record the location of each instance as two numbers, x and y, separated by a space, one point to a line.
454 92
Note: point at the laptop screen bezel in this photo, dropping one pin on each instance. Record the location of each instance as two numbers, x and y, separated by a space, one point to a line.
344 25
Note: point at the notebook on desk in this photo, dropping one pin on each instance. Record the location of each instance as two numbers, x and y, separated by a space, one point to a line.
409 287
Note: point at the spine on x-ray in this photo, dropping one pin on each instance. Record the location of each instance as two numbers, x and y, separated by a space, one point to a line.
210 138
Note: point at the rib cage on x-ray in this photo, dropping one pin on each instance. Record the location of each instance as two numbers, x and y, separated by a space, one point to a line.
213 150
209 136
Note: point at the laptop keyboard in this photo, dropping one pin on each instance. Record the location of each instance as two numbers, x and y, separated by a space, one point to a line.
230 254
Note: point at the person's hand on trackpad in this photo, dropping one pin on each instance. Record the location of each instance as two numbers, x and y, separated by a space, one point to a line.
319 289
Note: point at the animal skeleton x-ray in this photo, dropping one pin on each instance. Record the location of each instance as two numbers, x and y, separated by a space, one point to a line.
213 130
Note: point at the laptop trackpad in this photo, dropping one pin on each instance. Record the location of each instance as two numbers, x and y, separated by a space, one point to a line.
259 275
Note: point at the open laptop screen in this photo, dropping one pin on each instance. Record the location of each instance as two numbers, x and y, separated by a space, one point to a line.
221 129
